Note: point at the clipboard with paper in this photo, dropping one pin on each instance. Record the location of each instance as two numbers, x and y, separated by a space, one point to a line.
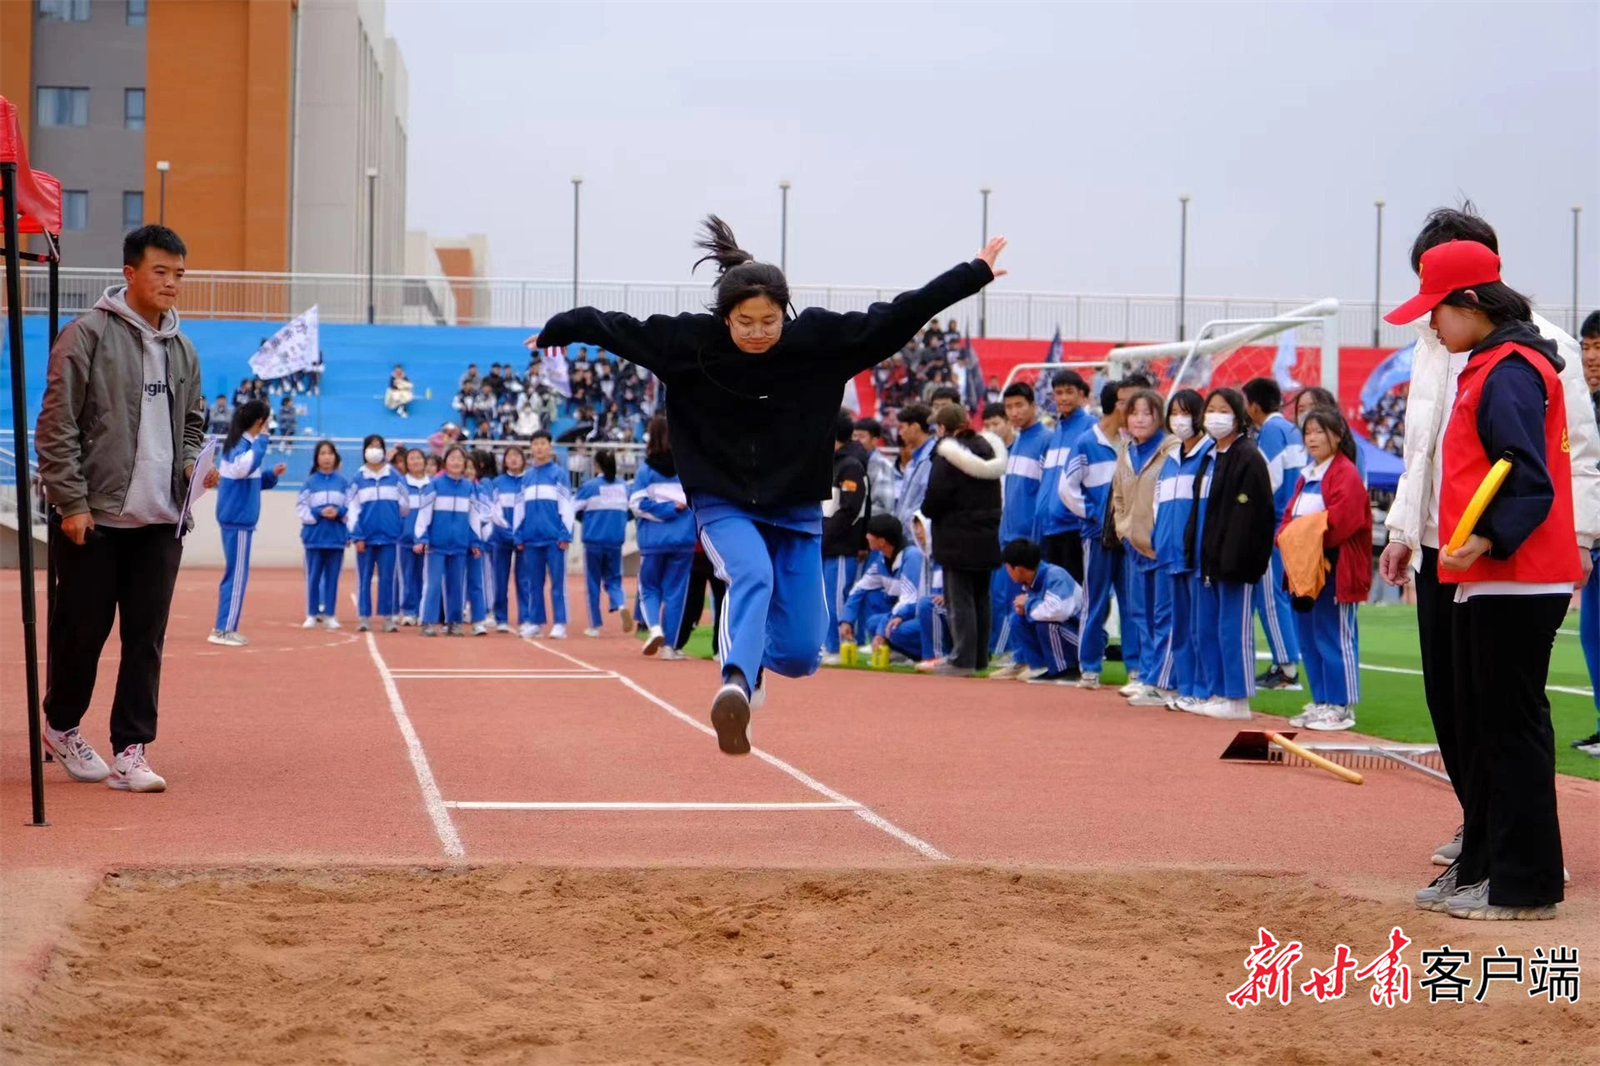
204 464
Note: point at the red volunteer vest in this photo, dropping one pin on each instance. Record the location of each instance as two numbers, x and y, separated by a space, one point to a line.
1550 552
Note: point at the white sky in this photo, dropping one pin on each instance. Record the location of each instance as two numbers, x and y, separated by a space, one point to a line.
1283 121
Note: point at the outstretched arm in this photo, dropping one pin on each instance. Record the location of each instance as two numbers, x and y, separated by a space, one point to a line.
657 344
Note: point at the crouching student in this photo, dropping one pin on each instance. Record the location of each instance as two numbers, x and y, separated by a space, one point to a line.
891 577
901 629
379 506
932 619
1047 611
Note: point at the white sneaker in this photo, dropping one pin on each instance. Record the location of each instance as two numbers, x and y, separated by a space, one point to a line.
669 654
131 773
529 630
558 631
76 755
759 696
228 640
502 627
591 632
363 626
1033 674
1332 719
310 622
657 638
332 623
1089 680
1306 713
1133 688
1150 696
832 658
1191 704
1226 709
480 629
408 620
1008 672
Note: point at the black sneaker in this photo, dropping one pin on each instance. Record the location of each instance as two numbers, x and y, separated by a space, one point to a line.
1278 681
1587 742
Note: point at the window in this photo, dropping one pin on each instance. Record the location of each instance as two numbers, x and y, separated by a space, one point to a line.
132 211
74 209
63 10
136 12
60 106
133 109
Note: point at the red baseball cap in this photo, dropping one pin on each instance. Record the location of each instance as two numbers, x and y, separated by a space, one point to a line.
1444 269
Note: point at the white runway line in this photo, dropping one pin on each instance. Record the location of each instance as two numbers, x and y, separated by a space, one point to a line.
498 805
554 675
862 811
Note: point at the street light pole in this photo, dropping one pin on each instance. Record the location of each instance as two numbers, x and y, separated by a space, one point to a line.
1377 277
162 166
372 198
1577 209
983 294
783 241
577 181
1183 259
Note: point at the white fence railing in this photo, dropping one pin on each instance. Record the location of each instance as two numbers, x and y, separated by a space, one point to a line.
528 303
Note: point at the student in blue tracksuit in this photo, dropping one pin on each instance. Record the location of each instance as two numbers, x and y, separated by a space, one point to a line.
1186 661
602 507
887 589
844 525
411 565
486 520
1146 613
1284 450
445 537
931 620
665 528
1019 510
379 506
542 530
510 566
1056 529
753 397
1047 604
1086 491
242 476
322 506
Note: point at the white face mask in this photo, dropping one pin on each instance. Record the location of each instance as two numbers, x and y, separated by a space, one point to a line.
374 456
1182 426
1219 425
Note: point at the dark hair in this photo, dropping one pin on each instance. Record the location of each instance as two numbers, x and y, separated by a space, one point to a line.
1108 396
1323 397
888 527
1151 399
245 415
945 392
1139 381
406 459
1499 302
606 460
316 453
371 439
1449 224
1235 401
1591 326
660 436
483 463
1017 388
507 455
871 426
1021 553
1264 393
844 425
993 410
134 244
1190 403
1333 422
540 434
739 276
916 414
1069 377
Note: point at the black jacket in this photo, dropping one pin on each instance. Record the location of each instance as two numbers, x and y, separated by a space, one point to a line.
758 429
844 531
963 503
1240 521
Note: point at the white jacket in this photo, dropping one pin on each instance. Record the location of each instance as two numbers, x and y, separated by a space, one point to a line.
1425 410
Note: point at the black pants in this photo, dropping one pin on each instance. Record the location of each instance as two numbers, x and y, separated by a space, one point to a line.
1066 551
117 572
1436 635
966 594
1512 837
701 572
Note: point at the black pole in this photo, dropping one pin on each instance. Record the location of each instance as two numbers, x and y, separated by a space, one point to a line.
372 198
1377 278
983 294
576 184
50 556
19 423
1183 260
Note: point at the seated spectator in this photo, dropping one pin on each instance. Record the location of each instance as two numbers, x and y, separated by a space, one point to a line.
288 416
469 381
221 416
494 381
527 416
400 393
443 438
991 394
952 334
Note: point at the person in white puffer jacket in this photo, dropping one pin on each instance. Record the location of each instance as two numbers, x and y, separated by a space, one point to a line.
1413 520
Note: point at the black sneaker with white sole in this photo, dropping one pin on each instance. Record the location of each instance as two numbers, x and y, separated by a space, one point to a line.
730 717
1278 681
1589 741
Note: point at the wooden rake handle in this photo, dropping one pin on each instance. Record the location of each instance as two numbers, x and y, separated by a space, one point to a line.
1316 760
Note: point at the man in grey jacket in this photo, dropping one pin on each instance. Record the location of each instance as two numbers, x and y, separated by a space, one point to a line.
121 425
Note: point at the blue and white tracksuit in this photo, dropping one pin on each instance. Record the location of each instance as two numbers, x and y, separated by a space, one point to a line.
1184 665
887 589
541 525
480 570
666 548
1051 516
504 557
1045 634
411 565
1224 608
602 507
1019 508
1329 637
324 539
243 476
1281 446
1086 491
1146 607
932 620
914 483
379 506
444 528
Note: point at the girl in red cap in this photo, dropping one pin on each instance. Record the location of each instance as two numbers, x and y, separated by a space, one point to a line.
1514 577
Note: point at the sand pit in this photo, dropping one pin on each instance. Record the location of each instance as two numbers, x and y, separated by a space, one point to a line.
535 965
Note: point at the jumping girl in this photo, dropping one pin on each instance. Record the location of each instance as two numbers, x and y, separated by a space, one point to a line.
444 536
241 479
752 395
379 505
507 489
411 565
602 507
322 506
666 541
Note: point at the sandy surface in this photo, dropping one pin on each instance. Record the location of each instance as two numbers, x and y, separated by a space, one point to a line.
526 964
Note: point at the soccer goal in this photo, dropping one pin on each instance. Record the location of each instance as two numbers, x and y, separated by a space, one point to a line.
1038 375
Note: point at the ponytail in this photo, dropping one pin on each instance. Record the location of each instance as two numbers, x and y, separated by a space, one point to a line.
721 246
739 276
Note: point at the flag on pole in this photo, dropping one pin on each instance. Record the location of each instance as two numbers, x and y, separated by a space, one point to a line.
1043 394
291 349
1394 370
553 371
1283 362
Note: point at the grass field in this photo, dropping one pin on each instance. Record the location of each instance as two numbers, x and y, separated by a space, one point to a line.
1391 704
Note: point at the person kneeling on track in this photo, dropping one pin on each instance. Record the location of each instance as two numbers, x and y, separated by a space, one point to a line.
1047 608
889 583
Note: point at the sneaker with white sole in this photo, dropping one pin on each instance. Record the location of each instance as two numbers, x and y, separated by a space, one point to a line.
1280 679
502 627
558 631
592 631
130 772
363 626
430 630
332 623
832 658
76 755
1191 704
1227 709
455 629
1332 719
669 654
1472 903
480 629
391 625
531 631
1150 696
1008 672
1450 852
657 638
1306 713
228 640
1133 687
1440 889
408 620
1089 680
310 622
730 717
629 622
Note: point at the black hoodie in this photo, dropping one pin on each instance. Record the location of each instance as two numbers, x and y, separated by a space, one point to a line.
758 429
844 531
